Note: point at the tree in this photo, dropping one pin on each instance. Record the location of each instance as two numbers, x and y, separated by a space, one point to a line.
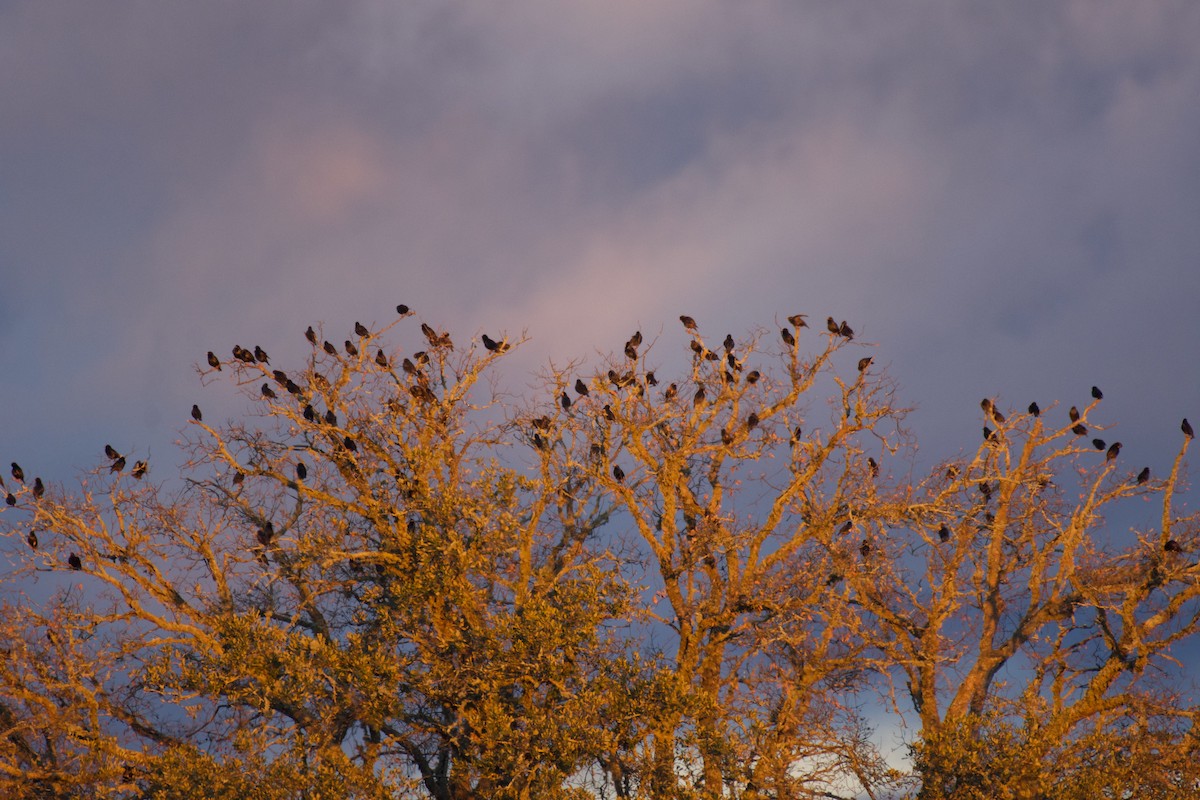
390 580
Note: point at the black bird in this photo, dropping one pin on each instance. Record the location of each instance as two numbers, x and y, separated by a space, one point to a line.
117 465
329 348
110 451
752 421
490 344
39 488
311 335
987 433
350 348
997 416
361 330
1113 451
832 326
944 533
986 405
1035 410
729 343
265 534
75 562
834 578
32 539
688 322
581 387
650 379
846 330
1099 444
1186 427
630 352
726 436
539 442
1096 393
565 400
280 377
17 472
301 470
636 339
268 392
10 499
381 359
1172 546
873 467
350 445
430 334
865 362
697 348
787 337
239 477
1079 430
797 320
213 361
618 473
711 356
261 355
401 309
310 414
985 489
865 548
608 413
139 469
698 398
1074 414
752 377
1143 476
670 393
796 434
330 417
196 413
292 387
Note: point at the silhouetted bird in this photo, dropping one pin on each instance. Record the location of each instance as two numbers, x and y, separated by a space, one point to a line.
865 548
17 472
329 348
239 478
726 436
1079 430
729 343
565 400
1096 393
711 356
110 451
268 392
280 377
752 421
430 333
944 533
261 355
985 489
490 344
117 465
292 387
873 467
301 470
139 469
787 337
688 322
997 416
1074 414
846 330
636 339
539 442
1143 476
265 534
361 329
213 361
350 445
1186 427
698 398
670 393
350 348
75 562
863 363
833 579
797 320
581 387
697 348
1172 546
631 352
1035 410
608 413
401 309
618 473
10 499
1113 451
987 433
39 488
31 537
650 379
986 405
196 413
381 359
330 417
1099 444
752 377
796 434
832 326
310 414
311 335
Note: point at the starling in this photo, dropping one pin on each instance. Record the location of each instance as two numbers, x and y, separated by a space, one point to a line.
1079 430
213 361
697 348
1035 410
752 421
10 499
787 337
944 533
196 413
651 379
832 326
670 393
873 467
985 489
865 548
796 434
111 451
350 348
618 473
565 400
630 352
280 377
1113 451
329 348
1096 393
75 562
301 470
261 355
608 413
381 359
863 363
726 436
636 339
268 392
19 473
402 309
32 539
117 465
1172 546
833 579
361 330
490 344
987 433
292 387
845 330
1074 414
752 377
1099 444
698 399
729 343
728 377
711 356
539 442
1186 427
421 357
310 414
139 469
1143 476
350 445
997 416
265 534
797 320
239 478
688 322
330 417
581 387
39 488
986 405
311 335
430 333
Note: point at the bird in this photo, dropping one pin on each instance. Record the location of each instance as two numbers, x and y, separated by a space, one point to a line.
865 548
997 416
196 413
539 442
350 444
329 348
651 379
213 361
1079 430
986 405
752 376
402 309
670 393
350 348
1099 444
1096 393
1035 410
280 377
268 392
239 478
39 488
688 322
1113 451
864 362
729 343
796 434
1186 427
873 467
1074 414
31 537
697 348
698 398
618 473
787 337
10 499
261 355
381 359
1172 546
581 387
139 469
265 534
636 339
292 387
565 400
490 344
17 472
117 465
301 470
330 417
1143 476
944 533
630 352
310 413
361 330
845 330
311 335
726 436
752 421
832 326
608 413
987 433
985 489
111 451
430 333
75 562
797 320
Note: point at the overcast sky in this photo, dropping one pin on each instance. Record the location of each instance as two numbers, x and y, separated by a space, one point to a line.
1005 197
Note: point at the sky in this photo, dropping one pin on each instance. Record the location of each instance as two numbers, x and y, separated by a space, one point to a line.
1004 198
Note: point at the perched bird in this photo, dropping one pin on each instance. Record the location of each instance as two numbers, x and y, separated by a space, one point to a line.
650 379
1074 414
797 320
670 393
361 329
865 548
31 537
329 348
213 361
618 473
10 499
729 343
1186 427
997 416
350 348
311 335
630 352
752 377
1113 451
944 533
833 579
381 359
636 339
310 413
268 392
832 326
402 309
75 562
430 334
490 344
261 355
873 467
39 488
985 489
265 534
697 348
1172 546
796 434
196 413
350 444
987 433
565 400
280 377
581 387
139 469
1035 410
1079 430
117 465
17 472
301 470
1143 476
1096 393
726 436
1099 444
986 405
752 421
787 337
698 398
239 478
608 413
292 387
711 356
845 330
330 417
865 362
688 322
539 442
111 451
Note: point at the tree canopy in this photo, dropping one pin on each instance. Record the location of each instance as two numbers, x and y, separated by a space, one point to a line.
390 578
